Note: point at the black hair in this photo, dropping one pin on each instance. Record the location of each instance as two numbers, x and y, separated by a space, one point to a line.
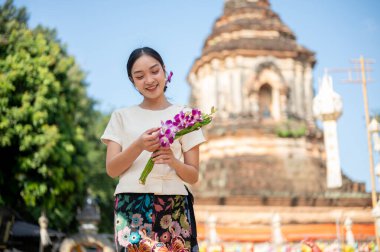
137 53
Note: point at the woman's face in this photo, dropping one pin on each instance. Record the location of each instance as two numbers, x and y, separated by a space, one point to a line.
148 77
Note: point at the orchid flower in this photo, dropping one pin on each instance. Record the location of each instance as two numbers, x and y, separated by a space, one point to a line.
184 122
169 79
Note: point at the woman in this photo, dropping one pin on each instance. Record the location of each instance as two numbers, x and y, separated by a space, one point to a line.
160 212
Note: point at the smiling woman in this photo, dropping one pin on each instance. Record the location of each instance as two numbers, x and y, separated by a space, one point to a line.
148 81
146 70
159 212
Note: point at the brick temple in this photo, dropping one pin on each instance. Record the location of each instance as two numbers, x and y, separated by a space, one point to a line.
265 156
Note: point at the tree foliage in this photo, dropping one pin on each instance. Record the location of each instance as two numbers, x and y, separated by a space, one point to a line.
99 185
49 147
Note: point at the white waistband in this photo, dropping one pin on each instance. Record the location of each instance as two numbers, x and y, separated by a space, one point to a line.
164 177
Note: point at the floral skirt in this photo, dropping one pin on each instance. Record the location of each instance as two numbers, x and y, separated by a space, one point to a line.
148 222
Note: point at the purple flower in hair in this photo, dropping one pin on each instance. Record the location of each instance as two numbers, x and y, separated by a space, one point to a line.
169 79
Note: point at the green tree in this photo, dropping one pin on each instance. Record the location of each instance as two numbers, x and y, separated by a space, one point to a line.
49 149
100 185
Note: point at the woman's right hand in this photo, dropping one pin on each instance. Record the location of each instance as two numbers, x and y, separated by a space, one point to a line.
149 140
119 160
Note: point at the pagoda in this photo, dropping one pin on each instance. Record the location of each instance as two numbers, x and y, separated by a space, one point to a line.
265 156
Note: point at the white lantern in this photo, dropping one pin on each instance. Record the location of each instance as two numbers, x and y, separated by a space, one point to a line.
377 169
374 126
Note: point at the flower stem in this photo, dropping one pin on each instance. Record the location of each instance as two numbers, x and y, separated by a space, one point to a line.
148 168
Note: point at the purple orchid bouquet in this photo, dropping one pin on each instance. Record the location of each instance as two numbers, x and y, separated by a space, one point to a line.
184 122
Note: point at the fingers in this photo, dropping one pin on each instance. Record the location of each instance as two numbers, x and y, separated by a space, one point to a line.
152 130
162 156
162 151
152 133
151 142
150 139
151 136
162 160
153 147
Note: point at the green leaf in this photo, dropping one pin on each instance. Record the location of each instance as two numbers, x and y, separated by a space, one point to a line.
49 128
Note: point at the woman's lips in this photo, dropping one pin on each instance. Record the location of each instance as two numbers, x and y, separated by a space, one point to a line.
151 88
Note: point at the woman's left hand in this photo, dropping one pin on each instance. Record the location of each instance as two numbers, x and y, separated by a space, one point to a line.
164 155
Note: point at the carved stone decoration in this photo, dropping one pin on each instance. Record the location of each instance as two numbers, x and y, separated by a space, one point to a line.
89 217
44 234
80 241
88 236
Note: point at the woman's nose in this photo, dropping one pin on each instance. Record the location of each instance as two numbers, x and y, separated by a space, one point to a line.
149 79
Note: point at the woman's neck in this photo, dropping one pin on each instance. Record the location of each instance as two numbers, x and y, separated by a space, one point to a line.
157 104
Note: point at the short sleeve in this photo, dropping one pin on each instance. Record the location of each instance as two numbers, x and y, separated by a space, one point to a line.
191 140
113 130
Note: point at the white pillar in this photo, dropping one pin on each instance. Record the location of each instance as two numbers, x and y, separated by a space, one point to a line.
277 238
327 106
349 235
334 176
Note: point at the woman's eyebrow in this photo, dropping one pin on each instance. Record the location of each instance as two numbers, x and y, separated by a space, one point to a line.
140 71
153 66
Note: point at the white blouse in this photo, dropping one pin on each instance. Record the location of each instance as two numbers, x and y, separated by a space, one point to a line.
125 126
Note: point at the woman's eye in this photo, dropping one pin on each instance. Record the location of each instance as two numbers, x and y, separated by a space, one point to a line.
155 72
139 77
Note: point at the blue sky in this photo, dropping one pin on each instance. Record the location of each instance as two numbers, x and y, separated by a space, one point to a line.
101 34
